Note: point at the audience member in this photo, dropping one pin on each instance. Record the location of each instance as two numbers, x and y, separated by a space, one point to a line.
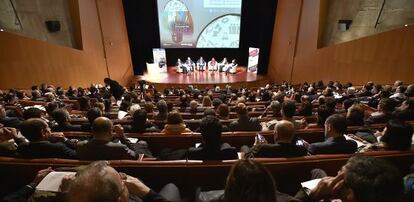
43 143
335 143
103 147
362 179
386 107
397 135
175 124
140 123
162 114
211 147
285 144
244 122
62 118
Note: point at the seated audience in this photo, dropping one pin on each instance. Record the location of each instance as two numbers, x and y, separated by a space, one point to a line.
406 111
206 101
223 112
8 121
140 123
362 179
285 144
244 122
162 114
43 143
335 143
91 115
32 112
386 107
9 139
102 146
355 115
397 135
211 147
175 124
250 181
62 118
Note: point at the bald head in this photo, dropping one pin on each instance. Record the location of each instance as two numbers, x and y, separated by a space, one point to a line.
102 126
284 131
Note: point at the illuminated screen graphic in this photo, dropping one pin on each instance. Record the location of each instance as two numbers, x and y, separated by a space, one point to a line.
199 23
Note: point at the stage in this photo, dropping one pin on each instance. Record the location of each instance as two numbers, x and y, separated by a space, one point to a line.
204 78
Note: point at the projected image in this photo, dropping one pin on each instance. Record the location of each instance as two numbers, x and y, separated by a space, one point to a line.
199 24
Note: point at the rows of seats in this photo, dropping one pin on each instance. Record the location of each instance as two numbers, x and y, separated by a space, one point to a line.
191 174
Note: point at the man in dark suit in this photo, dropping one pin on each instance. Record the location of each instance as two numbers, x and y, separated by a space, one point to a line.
386 107
62 118
335 143
114 88
43 143
211 147
285 144
7 121
102 146
244 122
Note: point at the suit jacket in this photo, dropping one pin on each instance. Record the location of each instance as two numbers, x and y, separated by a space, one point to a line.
46 149
95 149
338 145
245 123
67 127
226 152
116 90
276 150
378 118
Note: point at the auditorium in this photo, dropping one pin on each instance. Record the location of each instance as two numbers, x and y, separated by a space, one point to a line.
206 100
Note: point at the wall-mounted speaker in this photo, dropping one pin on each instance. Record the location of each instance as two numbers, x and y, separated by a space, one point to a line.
344 25
53 25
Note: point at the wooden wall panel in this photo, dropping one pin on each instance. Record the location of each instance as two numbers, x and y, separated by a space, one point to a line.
116 42
25 62
284 40
381 58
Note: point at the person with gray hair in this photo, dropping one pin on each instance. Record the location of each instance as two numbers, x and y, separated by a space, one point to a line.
100 182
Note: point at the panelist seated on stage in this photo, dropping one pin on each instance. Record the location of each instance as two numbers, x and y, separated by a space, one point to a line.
180 66
231 68
190 64
212 65
222 65
201 64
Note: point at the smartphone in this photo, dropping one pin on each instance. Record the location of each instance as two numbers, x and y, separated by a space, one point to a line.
260 138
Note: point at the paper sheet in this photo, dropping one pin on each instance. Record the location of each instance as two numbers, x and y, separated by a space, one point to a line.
52 181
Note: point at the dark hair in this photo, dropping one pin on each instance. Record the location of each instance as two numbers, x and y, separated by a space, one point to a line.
337 122
84 103
223 110
356 115
323 114
398 135
32 112
124 106
93 113
139 119
32 129
289 108
216 102
348 103
307 108
373 179
387 105
249 181
210 129
210 112
174 117
60 116
51 106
